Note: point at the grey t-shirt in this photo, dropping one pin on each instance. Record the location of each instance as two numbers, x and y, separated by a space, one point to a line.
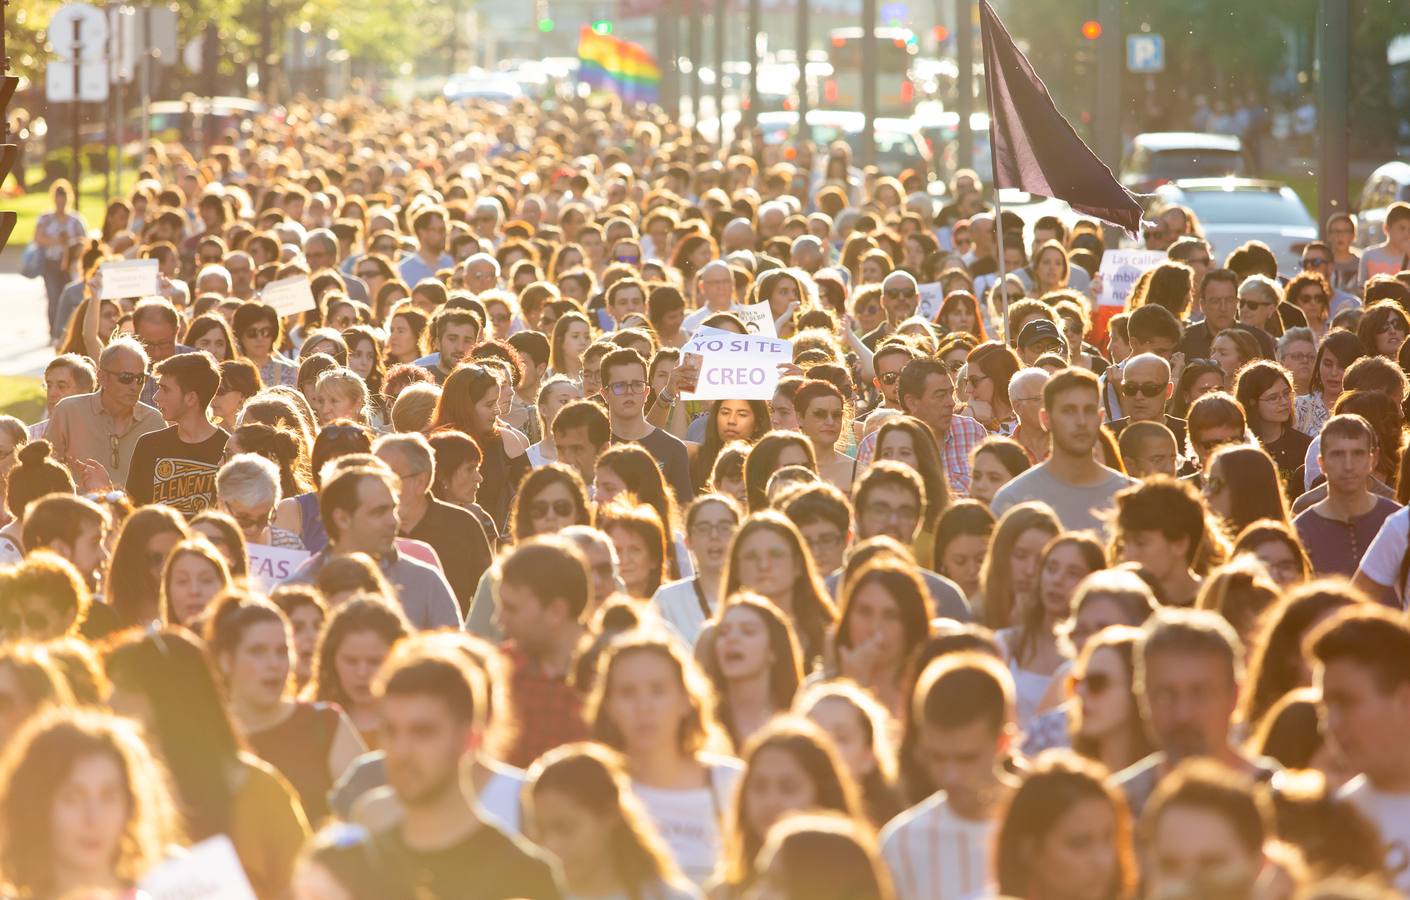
1078 508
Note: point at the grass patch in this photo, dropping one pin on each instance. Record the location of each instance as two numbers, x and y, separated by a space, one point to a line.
34 204
22 398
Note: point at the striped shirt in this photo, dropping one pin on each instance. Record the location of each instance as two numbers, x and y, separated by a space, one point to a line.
933 854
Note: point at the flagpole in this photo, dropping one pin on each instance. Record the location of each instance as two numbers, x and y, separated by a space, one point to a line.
999 284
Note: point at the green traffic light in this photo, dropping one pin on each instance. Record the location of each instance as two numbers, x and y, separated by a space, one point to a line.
602 26
545 25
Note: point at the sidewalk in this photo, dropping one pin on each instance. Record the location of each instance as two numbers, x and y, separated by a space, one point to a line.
24 329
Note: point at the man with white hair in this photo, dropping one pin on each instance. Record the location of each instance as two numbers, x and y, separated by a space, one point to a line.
900 296
1026 399
247 487
601 555
1145 388
480 273
806 253
102 428
485 220
771 216
213 278
714 287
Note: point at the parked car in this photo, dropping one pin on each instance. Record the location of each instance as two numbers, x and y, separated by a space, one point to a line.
476 85
1157 157
1388 184
1235 210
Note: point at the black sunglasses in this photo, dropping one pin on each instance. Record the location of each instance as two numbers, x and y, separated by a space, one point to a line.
1148 389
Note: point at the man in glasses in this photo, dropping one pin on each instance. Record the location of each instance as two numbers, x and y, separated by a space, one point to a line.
1146 386
455 534
176 466
714 283
1219 299
1026 400
888 362
544 588
624 390
899 299
101 429
1037 337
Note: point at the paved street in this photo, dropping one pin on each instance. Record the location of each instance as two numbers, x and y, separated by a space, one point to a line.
24 333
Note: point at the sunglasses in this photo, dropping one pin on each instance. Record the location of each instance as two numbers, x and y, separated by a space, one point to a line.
127 379
1253 304
366 274
632 260
560 508
898 293
621 388
889 377
1148 389
259 334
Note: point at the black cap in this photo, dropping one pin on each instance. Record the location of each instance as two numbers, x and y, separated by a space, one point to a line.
1036 330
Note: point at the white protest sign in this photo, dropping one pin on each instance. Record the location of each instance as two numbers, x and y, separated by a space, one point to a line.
271 565
757 318
289 296
734 367
128 278
1120 271
209 870
931 296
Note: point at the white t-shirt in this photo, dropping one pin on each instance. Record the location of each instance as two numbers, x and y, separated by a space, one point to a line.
499 798
1391 813
678 605
933 854
1381 562
691 821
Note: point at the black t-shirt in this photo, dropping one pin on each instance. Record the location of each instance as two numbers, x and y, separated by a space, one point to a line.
486 865
168 471
1199 338
460 542
670 452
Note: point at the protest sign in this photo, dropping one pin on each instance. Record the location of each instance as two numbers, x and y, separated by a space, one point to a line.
732 367
289 296
271 565
758 318
931 295
209 870
128 278
1120 271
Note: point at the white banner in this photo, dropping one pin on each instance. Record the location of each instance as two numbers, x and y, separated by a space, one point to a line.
209 870
289 296
128 278
1121 269
271 565
732 367
758 319
931 296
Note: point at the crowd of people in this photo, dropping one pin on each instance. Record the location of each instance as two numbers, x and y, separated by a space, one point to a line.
446 587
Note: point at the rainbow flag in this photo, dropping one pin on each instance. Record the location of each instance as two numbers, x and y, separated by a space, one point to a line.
607 63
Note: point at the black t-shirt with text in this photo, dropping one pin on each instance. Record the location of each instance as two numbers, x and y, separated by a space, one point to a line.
486 865
168 471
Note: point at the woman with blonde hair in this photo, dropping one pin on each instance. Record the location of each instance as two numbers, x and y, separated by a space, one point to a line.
579 806
69 757
664 742
340 394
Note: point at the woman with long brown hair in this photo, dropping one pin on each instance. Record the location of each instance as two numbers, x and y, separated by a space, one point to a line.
770 557
468 403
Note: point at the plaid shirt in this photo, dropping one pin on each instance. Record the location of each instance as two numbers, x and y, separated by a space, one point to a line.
548 712
965 434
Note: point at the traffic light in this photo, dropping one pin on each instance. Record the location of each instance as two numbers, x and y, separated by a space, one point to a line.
545 25
9 152
1091 29
602 26
941 34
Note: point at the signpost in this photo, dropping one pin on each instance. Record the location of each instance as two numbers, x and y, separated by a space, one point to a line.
1145 54
78 32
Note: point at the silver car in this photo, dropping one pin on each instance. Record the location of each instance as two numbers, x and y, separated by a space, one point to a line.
1388 184
1233 211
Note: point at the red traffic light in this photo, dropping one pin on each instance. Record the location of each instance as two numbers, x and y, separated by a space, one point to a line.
942 34
1091 29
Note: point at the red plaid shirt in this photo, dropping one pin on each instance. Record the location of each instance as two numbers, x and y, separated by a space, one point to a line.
548 713
965 434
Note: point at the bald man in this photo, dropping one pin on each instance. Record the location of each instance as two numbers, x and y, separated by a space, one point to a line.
1145 389
806 253
1026 399
714 288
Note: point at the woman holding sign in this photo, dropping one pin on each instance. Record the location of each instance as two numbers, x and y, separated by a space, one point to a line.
728 420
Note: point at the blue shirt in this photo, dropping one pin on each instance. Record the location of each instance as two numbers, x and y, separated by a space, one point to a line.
413 268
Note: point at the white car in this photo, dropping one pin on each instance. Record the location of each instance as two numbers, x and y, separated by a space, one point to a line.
1233 211
1388 184
1159 157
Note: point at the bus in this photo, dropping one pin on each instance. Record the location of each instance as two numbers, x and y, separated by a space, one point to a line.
895 91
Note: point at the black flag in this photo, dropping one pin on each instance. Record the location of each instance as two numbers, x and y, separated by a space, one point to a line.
1035 148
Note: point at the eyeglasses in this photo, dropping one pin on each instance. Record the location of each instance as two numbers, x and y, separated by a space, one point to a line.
632 260
259 334
898 293
127 379
1148 389
976 380
253 523
889 377
367 274
560 508
622 388
826 542
1314 262
1281 397
714 529
1317 297
1303 357
1245 303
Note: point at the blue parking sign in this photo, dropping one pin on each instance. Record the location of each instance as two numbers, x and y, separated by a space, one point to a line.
1145 53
